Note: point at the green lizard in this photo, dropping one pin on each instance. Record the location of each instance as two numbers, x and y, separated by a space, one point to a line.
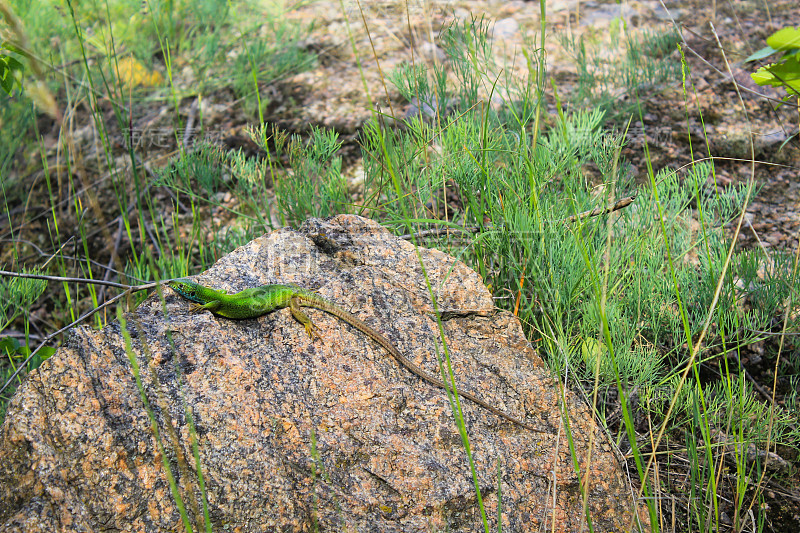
252 303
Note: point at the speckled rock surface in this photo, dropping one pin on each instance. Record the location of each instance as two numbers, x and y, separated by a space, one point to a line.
301 435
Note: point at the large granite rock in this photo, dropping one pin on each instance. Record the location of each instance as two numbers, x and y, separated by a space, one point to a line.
301 435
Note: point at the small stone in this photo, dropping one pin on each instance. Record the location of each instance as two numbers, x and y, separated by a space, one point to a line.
510 8
461 14
666 16
505 29
566 5
430 51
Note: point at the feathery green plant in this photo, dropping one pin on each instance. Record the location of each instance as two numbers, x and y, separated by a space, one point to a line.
314 187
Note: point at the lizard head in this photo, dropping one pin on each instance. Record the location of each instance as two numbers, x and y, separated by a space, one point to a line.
186 288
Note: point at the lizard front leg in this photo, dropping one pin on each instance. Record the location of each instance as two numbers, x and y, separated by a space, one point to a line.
212 306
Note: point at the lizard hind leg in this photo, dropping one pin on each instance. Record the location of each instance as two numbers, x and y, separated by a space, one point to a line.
300 316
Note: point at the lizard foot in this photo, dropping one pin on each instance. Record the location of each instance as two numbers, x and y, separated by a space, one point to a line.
312 331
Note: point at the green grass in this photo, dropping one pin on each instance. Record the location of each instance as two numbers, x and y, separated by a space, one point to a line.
643 309
611 79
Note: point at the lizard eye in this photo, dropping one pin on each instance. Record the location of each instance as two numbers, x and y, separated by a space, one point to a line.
184 288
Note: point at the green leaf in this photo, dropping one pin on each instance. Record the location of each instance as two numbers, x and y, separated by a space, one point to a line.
6 78
13 48
8 346
762 76
785 39
8 67
784 74
46 352
13 63
41 356
8 85
761 54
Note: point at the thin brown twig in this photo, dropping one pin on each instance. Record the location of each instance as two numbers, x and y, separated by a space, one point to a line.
187 134
78 280
129 289
41 252
620 204
763 392
50 337
731 79
770 333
